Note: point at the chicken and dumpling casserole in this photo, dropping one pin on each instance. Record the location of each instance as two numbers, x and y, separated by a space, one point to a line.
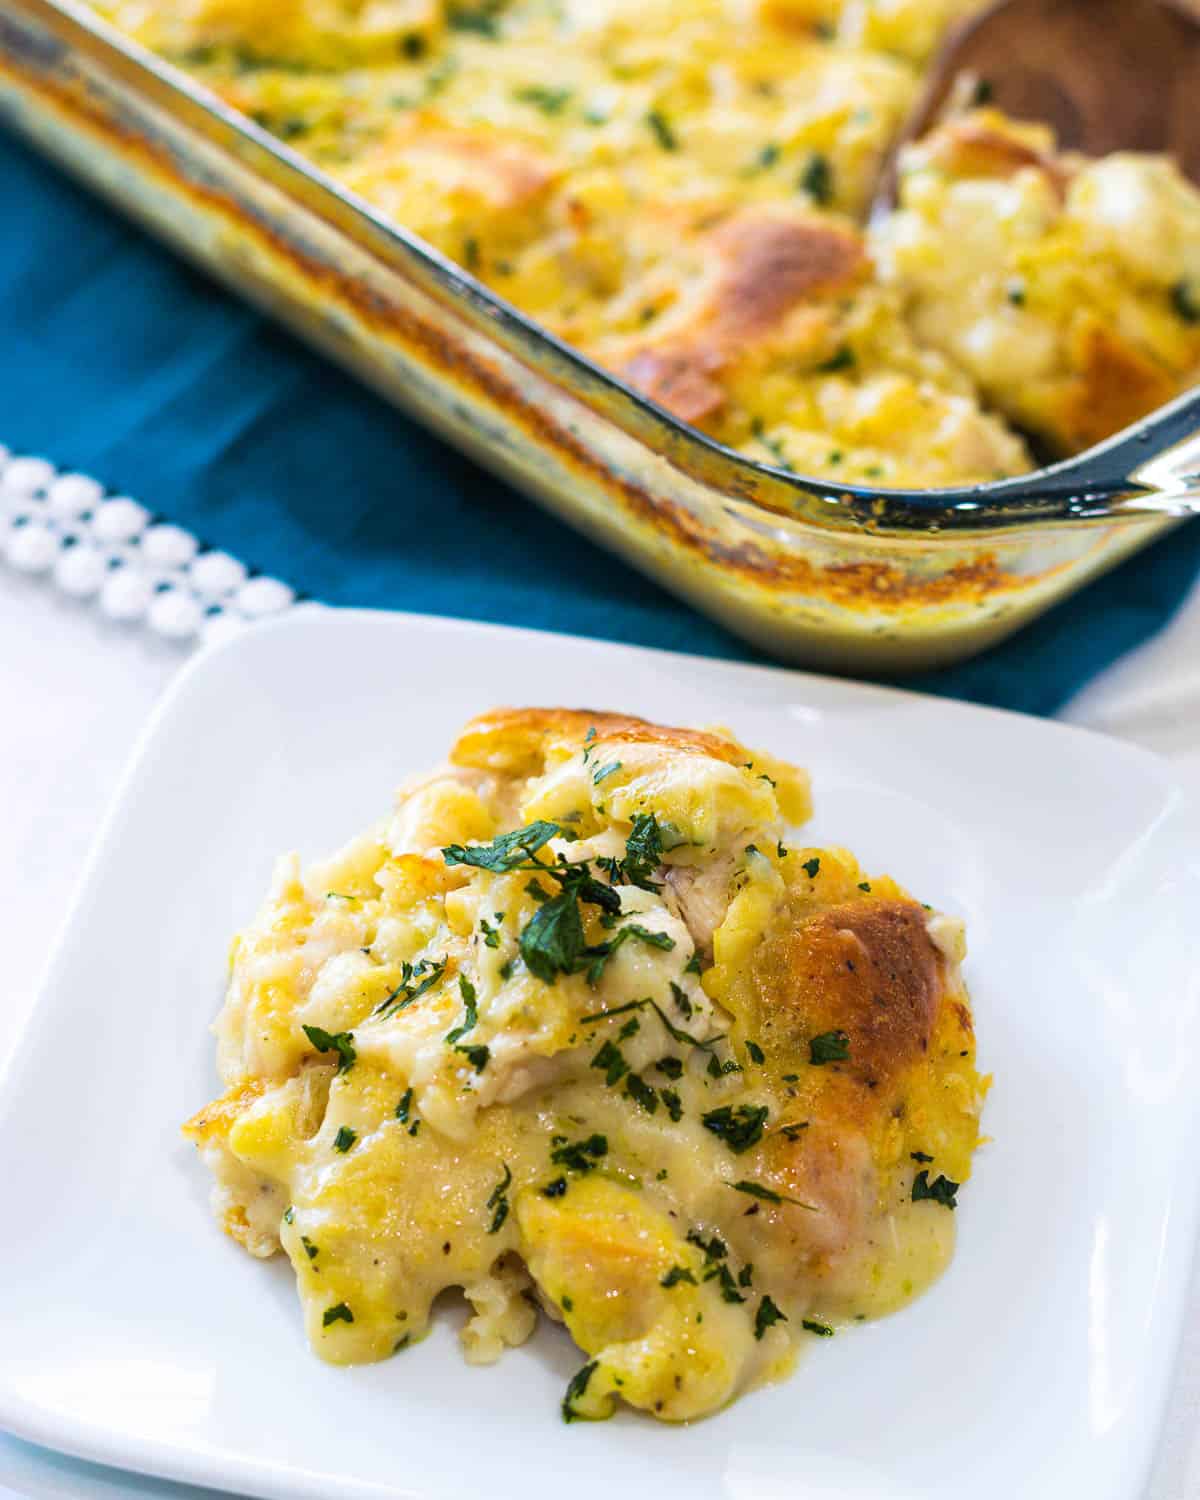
679 189
585 1028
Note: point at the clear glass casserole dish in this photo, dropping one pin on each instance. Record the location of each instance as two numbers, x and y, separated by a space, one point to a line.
846 578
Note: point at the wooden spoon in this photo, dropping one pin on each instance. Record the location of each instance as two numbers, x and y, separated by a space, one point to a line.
1108 75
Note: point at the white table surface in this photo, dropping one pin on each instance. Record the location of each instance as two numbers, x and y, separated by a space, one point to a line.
76 689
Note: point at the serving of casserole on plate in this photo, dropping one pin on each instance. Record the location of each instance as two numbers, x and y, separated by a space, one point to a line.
137 1333
624 1053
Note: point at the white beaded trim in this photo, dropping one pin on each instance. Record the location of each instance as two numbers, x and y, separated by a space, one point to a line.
93 545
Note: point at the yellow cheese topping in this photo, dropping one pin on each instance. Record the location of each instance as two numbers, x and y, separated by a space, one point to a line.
584 1026
678 189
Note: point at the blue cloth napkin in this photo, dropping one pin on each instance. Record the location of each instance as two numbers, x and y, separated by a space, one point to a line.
119 360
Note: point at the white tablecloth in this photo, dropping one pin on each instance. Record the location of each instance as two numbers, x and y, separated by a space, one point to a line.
74 691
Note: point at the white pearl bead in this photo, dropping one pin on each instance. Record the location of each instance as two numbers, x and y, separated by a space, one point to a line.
119 520
126 594
70 495
216 573
175 614
263 596
80 571
32 548
26 476
222 626
169 546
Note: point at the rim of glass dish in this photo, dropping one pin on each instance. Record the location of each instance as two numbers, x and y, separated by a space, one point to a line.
1083 487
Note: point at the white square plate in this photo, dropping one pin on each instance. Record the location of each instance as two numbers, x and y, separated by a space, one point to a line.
135 1334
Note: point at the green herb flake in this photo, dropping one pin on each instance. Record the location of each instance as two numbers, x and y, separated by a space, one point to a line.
478 1056
311 1250
339 1313
767 1195
470 1013
670 1067
920 1156
555 1189
673 1104
578 1384
1185 301
498 1201
549 101
579 1156
344 1139
677 1274
755 1053
830 1046
817 179
509 851
605 772
610 1061
811 866
641 1093
739 1126
694 965
766 1315
714 1249
663 132
822 1330
403 1107
941 1190
341 1042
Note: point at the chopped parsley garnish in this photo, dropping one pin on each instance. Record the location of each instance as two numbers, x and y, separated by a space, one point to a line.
491 935
549 101
509 851
604 951
677 1274
555 1189
739 1126
481 19
403 1107
641 1093
844 359
498 1201
755 1053
864 885
406 991
718 1069
643 852
579 1156
663 132
791 1131
766 1194
339 896
610 1061
470 1014
830 1046
817 179
1185 299
673 1103
680 996
822 1330
578 1384
746 1275
714 1249
670 1067
289 1214
765 1316
672 1030
941 1190
920 1156
605 772
768 156
811 866
724 1279
311 1250
340 1313
344 1139
477 1056
341 1042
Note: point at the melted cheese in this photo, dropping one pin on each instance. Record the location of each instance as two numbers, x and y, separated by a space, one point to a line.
654 1143
679 189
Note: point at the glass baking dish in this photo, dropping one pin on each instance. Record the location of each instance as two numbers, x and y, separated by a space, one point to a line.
846 579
